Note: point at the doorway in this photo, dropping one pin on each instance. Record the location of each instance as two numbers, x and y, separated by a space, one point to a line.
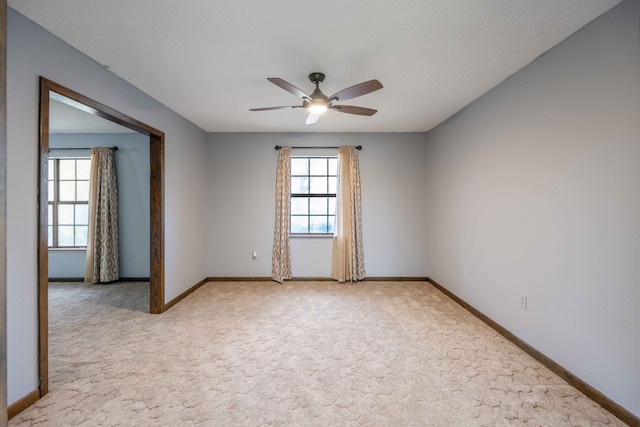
156 220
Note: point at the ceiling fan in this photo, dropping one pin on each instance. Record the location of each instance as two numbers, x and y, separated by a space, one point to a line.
317 103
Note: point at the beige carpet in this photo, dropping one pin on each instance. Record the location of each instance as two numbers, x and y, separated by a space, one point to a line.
299 354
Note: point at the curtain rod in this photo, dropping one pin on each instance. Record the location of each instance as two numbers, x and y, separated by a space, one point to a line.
357 147
114 148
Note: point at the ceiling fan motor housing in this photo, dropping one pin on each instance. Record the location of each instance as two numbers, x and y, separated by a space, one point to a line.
318 98
316 77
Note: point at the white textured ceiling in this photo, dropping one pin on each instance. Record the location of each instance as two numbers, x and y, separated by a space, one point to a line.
209 60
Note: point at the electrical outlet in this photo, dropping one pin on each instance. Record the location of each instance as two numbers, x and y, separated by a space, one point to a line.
254 255
523 302
130 256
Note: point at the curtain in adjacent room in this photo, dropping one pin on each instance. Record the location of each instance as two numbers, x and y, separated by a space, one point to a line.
102 240
348 254
281 256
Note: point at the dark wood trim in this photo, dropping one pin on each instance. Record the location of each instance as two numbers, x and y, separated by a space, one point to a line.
22 404
156 141
315 279
81 279
94 107
239 279
43 250
183 295
367 279
156 279
186 293
592 393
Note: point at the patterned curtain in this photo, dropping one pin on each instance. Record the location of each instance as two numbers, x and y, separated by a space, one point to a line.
102 240
281 258
348 254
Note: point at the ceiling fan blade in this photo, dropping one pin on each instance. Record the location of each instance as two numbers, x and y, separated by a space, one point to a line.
357 90
288 87
312 118
349 109
288 107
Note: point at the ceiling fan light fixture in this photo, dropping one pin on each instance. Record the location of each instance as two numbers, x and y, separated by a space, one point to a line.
317 108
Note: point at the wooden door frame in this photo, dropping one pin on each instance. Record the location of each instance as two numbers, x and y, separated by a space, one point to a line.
156 273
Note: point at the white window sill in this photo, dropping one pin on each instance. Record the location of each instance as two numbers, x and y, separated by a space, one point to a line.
68 249
313 236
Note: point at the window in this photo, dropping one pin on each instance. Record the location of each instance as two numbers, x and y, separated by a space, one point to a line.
68 202
313 194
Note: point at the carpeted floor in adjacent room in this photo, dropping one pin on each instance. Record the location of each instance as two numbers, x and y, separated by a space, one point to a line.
298 354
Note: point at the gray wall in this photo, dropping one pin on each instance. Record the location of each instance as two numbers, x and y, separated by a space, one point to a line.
33 52
534 190
241 197
132 170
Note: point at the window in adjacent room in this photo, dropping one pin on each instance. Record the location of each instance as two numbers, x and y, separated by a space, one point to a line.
68 202
313 195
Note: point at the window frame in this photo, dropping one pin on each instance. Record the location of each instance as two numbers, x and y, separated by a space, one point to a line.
309 196
54 202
